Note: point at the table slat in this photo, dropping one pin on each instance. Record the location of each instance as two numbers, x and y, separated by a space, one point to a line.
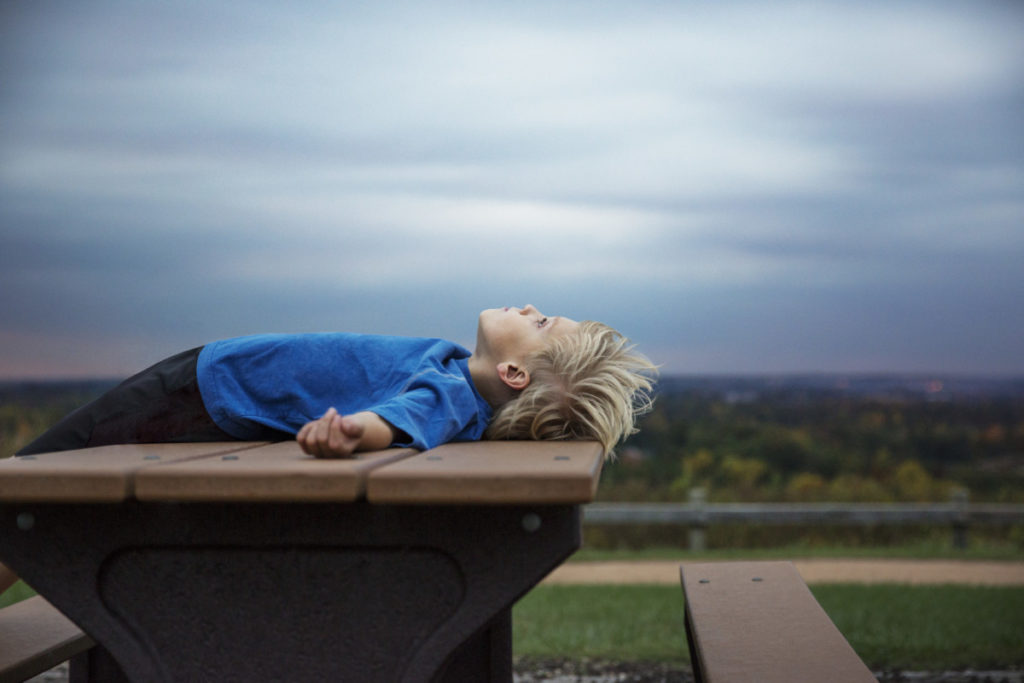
492 472
272 472
101 474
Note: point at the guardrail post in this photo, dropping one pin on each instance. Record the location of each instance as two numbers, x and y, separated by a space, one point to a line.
697 540
960 497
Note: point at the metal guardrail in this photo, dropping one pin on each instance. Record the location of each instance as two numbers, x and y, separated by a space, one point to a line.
803 513
698 515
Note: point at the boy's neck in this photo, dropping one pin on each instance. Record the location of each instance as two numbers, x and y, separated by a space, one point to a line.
484 374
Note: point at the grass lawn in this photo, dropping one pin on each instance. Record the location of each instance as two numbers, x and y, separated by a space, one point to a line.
911 628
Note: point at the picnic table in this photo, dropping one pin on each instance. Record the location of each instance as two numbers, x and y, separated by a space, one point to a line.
252 561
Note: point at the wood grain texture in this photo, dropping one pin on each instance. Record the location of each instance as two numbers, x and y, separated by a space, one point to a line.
758 621
492 472
271 472
102 474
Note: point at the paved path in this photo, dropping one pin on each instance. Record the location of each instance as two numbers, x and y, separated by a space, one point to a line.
813 571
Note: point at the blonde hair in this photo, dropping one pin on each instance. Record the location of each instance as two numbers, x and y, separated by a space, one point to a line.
586 385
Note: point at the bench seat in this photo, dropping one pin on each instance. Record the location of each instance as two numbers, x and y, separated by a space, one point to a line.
35 637
758 621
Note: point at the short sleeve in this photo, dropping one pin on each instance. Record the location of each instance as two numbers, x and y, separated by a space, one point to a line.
433 413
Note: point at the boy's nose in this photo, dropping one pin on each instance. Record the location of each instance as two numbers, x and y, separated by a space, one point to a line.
527 310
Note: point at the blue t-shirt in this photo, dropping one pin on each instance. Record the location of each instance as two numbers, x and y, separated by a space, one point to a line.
422 387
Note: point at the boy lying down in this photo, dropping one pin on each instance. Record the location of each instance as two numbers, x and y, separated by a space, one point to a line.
530 377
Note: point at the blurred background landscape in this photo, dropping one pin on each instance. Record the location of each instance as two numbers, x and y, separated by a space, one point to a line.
801 439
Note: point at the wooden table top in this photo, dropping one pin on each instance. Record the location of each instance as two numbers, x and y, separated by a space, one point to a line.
483 472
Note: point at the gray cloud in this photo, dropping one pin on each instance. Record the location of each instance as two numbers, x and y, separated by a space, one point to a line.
741 188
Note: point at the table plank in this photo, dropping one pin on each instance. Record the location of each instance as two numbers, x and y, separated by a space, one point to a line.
492 472
101 474
271 472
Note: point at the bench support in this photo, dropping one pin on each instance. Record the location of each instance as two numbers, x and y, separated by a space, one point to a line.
334 591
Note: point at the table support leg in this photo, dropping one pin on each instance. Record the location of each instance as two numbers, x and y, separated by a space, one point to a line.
487 656
291 591
95 665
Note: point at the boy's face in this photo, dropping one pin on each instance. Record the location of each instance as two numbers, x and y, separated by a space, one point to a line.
512 334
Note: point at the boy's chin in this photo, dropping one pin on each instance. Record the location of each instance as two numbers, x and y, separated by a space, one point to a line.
488 314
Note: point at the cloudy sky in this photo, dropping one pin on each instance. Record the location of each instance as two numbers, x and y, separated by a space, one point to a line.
739 187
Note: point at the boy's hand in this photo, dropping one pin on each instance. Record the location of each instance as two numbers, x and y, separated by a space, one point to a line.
332 436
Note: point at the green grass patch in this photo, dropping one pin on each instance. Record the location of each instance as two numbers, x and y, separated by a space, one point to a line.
605 622
890 626
16 593
929 627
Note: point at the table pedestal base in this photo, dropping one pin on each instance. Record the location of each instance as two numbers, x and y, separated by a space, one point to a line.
252 592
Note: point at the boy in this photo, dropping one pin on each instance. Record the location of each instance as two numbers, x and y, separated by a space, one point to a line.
530 377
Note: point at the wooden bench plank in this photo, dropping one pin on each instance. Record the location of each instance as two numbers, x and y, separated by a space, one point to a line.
35 637
758 621
492 472
272 472
102 474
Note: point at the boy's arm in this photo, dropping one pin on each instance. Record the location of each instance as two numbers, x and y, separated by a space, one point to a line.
339 436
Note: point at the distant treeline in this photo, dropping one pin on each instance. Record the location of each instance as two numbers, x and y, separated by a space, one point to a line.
879 386
28 408
39 393
826 437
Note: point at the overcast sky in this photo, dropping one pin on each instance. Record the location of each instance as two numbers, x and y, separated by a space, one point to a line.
762 187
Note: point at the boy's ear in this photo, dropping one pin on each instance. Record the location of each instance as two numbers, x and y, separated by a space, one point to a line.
514 376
